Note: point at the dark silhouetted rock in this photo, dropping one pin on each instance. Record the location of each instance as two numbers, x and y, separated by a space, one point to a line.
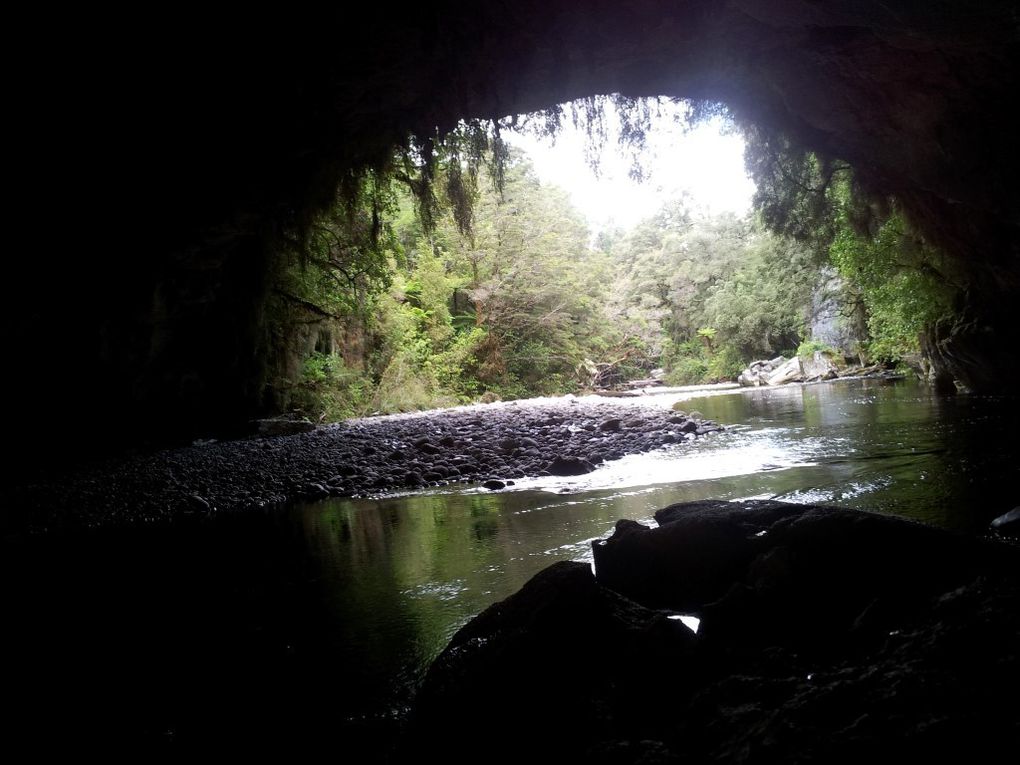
198 504
1008 523
826 635
561 624
688 426
494 484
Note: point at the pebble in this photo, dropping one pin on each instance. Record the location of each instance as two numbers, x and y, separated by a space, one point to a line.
364 457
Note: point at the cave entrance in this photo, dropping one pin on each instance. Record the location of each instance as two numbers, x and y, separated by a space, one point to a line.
246 138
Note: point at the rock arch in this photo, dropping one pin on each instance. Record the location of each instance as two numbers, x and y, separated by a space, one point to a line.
185 143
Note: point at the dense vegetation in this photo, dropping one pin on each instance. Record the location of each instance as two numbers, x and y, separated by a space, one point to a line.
463 277
898 285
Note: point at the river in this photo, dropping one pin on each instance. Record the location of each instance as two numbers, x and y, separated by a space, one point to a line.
358 595
400 575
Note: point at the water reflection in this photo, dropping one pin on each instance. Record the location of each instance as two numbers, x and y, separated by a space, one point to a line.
217 631
890 448
400 575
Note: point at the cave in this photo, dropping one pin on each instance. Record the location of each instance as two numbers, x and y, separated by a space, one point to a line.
185 149
163 158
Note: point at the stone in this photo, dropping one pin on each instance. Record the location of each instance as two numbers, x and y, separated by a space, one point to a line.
560 624
427 447
808 615
567 466
818 367
494 485
1008 523
611 426
688 426
366 457
751 378
198 504
789 371
315 491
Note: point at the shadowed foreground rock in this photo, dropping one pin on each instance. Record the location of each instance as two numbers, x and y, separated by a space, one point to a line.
826 635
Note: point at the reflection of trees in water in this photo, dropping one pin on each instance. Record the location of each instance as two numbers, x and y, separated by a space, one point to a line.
396 577
894 448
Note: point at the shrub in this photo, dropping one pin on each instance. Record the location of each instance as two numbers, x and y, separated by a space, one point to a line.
688 371
808 348
725 364
329 390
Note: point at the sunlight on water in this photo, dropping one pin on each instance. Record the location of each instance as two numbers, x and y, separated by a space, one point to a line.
713 456
438 590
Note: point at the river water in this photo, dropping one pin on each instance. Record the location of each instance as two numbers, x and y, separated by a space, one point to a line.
357 596
400 575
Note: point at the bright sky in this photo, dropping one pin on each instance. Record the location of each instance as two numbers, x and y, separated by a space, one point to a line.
705 162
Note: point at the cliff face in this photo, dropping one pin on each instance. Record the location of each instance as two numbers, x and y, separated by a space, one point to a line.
162 164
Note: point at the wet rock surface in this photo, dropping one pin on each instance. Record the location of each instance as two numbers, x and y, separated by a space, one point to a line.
1008 524
780 370
826 635
371 456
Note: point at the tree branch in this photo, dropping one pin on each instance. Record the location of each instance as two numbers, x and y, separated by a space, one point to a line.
306 304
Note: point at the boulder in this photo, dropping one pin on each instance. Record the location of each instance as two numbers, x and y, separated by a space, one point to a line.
757 372
1008 523
826 635
818 366
750 379
496 672
789 371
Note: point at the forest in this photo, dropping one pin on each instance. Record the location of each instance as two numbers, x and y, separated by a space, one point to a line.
454 275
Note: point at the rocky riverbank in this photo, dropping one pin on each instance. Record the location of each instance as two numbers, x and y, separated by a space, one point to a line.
492 444
825 635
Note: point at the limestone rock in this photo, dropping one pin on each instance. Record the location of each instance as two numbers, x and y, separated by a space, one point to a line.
818 367
790 371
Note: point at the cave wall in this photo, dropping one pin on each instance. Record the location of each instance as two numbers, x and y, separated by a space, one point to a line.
164 162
